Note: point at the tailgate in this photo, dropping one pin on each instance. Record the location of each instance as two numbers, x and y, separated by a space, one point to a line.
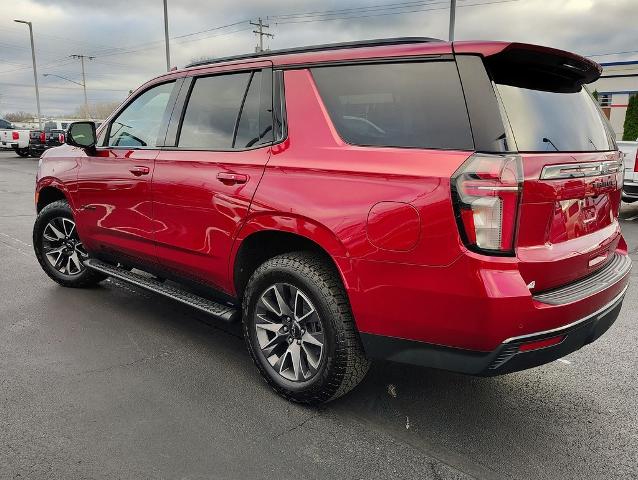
571 167
568 225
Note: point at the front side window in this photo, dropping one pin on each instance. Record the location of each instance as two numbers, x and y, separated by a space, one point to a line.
139 123
212 112
415 104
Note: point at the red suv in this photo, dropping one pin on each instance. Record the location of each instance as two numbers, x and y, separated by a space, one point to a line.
450 205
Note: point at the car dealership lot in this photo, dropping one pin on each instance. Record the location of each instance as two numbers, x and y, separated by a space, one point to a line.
115 382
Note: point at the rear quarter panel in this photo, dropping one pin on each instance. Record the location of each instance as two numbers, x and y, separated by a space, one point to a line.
314 175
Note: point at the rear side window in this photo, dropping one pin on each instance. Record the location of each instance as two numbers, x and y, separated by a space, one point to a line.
415 104
229 111
212 111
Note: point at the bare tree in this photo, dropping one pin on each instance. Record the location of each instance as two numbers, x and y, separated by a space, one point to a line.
19 117
98 111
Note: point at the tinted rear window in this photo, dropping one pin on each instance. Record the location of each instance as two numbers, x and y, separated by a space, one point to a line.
546 121
412 104
211 114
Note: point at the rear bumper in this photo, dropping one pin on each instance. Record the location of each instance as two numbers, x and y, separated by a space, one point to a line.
8 145
509 356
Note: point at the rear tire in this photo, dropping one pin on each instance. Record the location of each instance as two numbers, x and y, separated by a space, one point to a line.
59 249
23 152
295 310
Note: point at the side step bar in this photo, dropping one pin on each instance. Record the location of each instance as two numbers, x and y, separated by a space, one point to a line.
217 310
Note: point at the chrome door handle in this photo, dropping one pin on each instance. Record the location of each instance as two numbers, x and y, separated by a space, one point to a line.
139 170
228 178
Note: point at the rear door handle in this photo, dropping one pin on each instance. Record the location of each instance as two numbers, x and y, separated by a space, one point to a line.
139 170
228 178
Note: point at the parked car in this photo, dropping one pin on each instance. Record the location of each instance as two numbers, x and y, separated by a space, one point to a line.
16 139
41 140
630 186
356 201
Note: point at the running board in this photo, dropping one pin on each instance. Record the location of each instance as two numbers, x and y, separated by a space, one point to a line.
217 310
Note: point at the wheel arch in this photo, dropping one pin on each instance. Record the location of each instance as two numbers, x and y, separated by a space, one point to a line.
48 193
267 236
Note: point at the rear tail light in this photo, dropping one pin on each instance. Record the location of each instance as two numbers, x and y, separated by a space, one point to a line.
486 191
15 135
636 162
43 137
61 137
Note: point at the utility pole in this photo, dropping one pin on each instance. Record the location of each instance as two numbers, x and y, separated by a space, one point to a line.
261 25
86 101
452 19
35 71
168 52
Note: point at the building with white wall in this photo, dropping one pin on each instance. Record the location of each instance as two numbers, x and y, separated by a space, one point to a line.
616 85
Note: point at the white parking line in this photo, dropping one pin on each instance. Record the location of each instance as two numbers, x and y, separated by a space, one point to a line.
632 218
562 360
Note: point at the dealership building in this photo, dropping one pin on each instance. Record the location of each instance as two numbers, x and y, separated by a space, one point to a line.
618 83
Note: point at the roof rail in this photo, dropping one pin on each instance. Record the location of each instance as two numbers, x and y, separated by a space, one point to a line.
318 48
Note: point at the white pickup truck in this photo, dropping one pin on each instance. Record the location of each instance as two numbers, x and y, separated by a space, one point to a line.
630 186
16 139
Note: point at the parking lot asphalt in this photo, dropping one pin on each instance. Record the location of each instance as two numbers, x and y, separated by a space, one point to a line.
115 382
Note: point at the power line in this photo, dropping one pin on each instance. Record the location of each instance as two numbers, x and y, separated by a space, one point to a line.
354 16
54 87
386 6
159 44
150 45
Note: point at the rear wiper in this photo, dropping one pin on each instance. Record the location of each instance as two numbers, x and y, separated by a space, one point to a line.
547 140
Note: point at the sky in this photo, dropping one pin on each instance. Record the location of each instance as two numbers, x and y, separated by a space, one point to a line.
126 37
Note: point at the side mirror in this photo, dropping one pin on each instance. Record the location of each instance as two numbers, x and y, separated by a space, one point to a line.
81 134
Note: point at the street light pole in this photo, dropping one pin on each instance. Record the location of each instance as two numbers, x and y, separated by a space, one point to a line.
168 52
35 71
452 19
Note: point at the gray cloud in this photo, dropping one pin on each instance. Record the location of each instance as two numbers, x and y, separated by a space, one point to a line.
126 36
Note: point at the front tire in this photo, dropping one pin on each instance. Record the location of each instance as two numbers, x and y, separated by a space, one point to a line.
59 248
299 329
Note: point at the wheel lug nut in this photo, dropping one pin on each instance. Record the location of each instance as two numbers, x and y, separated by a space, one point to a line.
298 342
290 340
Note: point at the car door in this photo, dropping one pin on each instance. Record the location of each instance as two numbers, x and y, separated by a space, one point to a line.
204 183
114 181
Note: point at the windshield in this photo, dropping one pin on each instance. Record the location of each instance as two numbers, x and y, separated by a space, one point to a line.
545 121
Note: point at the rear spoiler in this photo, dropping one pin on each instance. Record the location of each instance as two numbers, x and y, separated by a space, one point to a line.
533 66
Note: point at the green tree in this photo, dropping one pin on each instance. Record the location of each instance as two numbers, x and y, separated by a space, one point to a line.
630 129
